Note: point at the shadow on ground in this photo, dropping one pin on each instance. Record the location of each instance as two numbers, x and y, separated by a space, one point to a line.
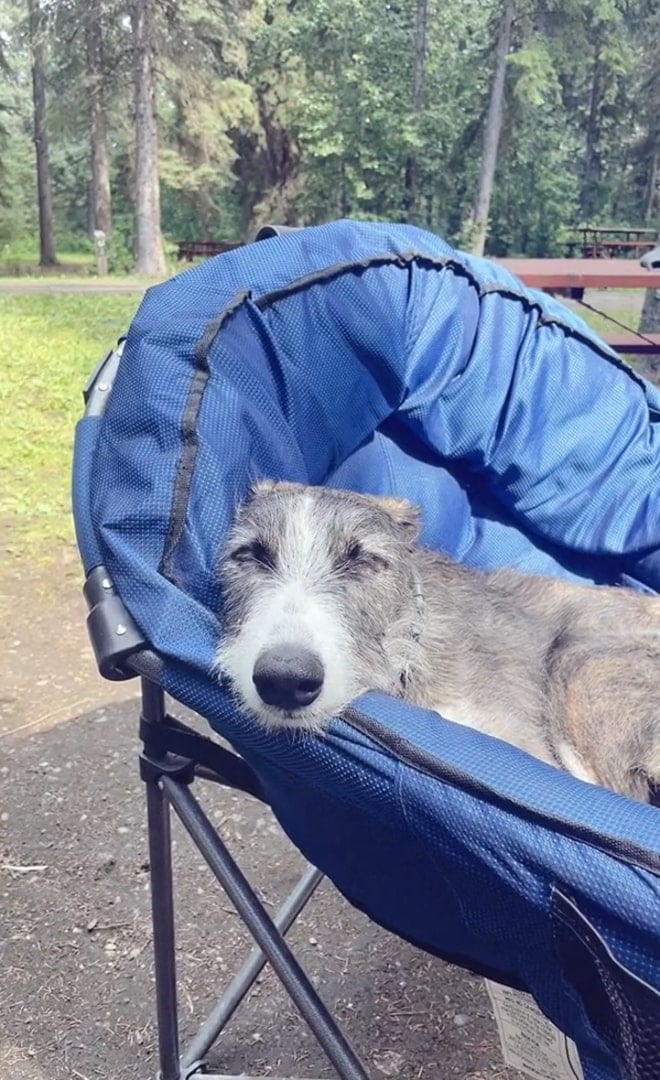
76 996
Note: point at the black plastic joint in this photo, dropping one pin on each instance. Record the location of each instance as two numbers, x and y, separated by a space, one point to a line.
96 392
195 1069
267 232
112 632
198 1069
177 768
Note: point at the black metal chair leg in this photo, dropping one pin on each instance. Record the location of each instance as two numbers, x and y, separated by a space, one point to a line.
162 899
162 908
246 976
266 935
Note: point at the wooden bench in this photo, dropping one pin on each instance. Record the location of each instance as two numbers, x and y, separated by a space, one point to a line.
626 341
607 249
203 249
582 273
570 277
606 241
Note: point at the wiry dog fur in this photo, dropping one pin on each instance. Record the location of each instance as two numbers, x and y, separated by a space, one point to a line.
327 595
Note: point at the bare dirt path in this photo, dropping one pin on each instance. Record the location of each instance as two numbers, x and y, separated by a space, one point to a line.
48 674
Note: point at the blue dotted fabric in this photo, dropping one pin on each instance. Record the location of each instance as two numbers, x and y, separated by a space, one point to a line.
423 372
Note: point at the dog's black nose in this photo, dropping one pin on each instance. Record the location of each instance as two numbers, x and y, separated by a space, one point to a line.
288 676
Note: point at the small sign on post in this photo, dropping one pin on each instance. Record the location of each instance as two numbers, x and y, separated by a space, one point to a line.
100 252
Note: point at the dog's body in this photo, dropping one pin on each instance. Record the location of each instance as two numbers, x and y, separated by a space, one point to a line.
651 260
327 596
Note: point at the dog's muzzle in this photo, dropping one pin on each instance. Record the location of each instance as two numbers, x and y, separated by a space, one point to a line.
288 677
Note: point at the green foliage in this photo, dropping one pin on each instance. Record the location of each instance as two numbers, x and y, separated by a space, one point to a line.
300 112
119 247
17 163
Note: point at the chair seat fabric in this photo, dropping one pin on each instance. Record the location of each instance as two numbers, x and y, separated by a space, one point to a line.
378 358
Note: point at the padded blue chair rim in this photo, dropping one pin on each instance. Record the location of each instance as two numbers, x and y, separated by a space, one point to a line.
376 357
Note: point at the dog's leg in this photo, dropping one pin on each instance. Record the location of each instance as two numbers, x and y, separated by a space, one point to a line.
573 763
608 716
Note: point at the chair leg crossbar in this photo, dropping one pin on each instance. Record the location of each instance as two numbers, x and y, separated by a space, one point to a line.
167 779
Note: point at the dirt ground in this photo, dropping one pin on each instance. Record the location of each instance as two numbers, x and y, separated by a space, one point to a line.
76 994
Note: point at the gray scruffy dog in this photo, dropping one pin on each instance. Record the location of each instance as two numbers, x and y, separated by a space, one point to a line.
327 595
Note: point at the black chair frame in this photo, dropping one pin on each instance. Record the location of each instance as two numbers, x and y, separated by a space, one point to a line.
173 756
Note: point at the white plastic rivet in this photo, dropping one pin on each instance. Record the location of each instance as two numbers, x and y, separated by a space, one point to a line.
106 583
121 629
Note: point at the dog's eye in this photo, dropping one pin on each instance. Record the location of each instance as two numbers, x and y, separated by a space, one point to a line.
354 551
358 556
256 552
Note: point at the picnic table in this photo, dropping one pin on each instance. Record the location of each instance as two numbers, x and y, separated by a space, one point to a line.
203 249
570 277
553 274
605 241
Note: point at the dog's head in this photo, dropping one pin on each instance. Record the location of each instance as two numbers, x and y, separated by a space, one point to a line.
317 598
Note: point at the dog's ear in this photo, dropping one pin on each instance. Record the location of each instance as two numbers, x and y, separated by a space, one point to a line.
267 487
261 487
401 511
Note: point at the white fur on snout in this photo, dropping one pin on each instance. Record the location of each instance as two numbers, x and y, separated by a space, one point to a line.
287 611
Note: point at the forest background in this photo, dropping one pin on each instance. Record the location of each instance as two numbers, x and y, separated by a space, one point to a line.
499 124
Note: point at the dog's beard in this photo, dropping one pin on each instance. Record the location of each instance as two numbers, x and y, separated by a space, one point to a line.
286 614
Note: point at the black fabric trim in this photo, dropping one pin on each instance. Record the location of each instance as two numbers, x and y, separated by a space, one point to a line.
406 258
174 737
201 371
429 765
402 259
623 1009
186 463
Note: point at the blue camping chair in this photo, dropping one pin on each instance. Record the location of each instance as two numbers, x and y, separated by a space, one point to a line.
376 357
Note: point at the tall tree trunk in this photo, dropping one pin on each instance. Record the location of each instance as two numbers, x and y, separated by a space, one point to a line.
621 189
493 130
149 254
100 206
36 21
419 57
267 168
591 171
653 183
649 323
650 317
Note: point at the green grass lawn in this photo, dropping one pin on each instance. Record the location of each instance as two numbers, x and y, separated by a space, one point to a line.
602 325
48 347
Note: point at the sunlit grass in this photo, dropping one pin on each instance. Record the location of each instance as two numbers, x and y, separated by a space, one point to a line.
22 258
19 260
48 347
603 326
39 281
